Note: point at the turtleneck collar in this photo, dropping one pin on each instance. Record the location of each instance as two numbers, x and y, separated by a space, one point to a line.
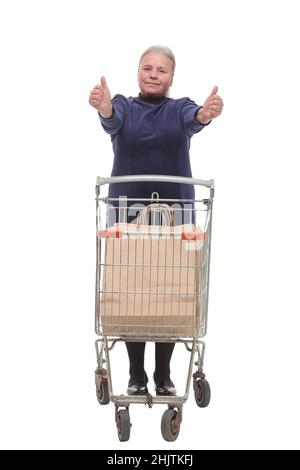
158 100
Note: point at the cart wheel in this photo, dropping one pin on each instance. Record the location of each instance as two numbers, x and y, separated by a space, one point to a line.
123 425
202 392
170 425
102 393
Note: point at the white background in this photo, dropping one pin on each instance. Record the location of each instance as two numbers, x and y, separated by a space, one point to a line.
52 149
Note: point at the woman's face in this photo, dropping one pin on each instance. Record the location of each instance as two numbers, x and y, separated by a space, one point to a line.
155 75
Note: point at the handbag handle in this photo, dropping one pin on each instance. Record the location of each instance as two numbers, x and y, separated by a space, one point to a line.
167 214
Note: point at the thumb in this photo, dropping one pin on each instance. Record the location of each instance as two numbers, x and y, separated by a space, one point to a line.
103 82
214 91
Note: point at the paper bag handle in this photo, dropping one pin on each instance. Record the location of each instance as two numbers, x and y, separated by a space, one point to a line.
167 214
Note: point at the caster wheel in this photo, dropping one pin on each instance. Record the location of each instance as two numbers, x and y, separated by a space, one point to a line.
102 392
170 425
123 425
202 392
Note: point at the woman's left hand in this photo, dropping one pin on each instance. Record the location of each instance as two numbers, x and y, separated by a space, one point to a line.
212 107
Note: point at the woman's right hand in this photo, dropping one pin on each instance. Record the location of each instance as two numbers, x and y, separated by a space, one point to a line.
100 99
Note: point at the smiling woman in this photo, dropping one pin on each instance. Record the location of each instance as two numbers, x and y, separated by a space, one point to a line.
156 70
151 135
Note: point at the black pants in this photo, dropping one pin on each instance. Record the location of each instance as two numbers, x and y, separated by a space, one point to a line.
163 353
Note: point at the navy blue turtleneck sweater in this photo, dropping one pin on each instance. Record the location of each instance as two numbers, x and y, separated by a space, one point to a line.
152 136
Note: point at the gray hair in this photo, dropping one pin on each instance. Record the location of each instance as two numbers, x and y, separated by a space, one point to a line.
164 50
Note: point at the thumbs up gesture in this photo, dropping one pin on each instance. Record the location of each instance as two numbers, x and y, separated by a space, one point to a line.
212 107
100 99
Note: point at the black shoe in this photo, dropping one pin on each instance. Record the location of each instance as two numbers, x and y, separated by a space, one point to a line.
165 387
137 387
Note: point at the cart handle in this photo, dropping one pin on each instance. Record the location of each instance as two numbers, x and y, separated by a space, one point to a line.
154 178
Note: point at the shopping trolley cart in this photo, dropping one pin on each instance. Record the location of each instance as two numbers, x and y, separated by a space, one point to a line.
152 284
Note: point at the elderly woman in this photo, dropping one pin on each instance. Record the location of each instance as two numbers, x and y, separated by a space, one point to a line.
151 135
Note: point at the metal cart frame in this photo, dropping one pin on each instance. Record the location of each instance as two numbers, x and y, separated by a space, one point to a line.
172 417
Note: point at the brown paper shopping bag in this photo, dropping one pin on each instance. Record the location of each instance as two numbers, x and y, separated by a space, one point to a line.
151 279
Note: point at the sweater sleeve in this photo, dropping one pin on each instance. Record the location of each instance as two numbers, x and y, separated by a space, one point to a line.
189 111
114 124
